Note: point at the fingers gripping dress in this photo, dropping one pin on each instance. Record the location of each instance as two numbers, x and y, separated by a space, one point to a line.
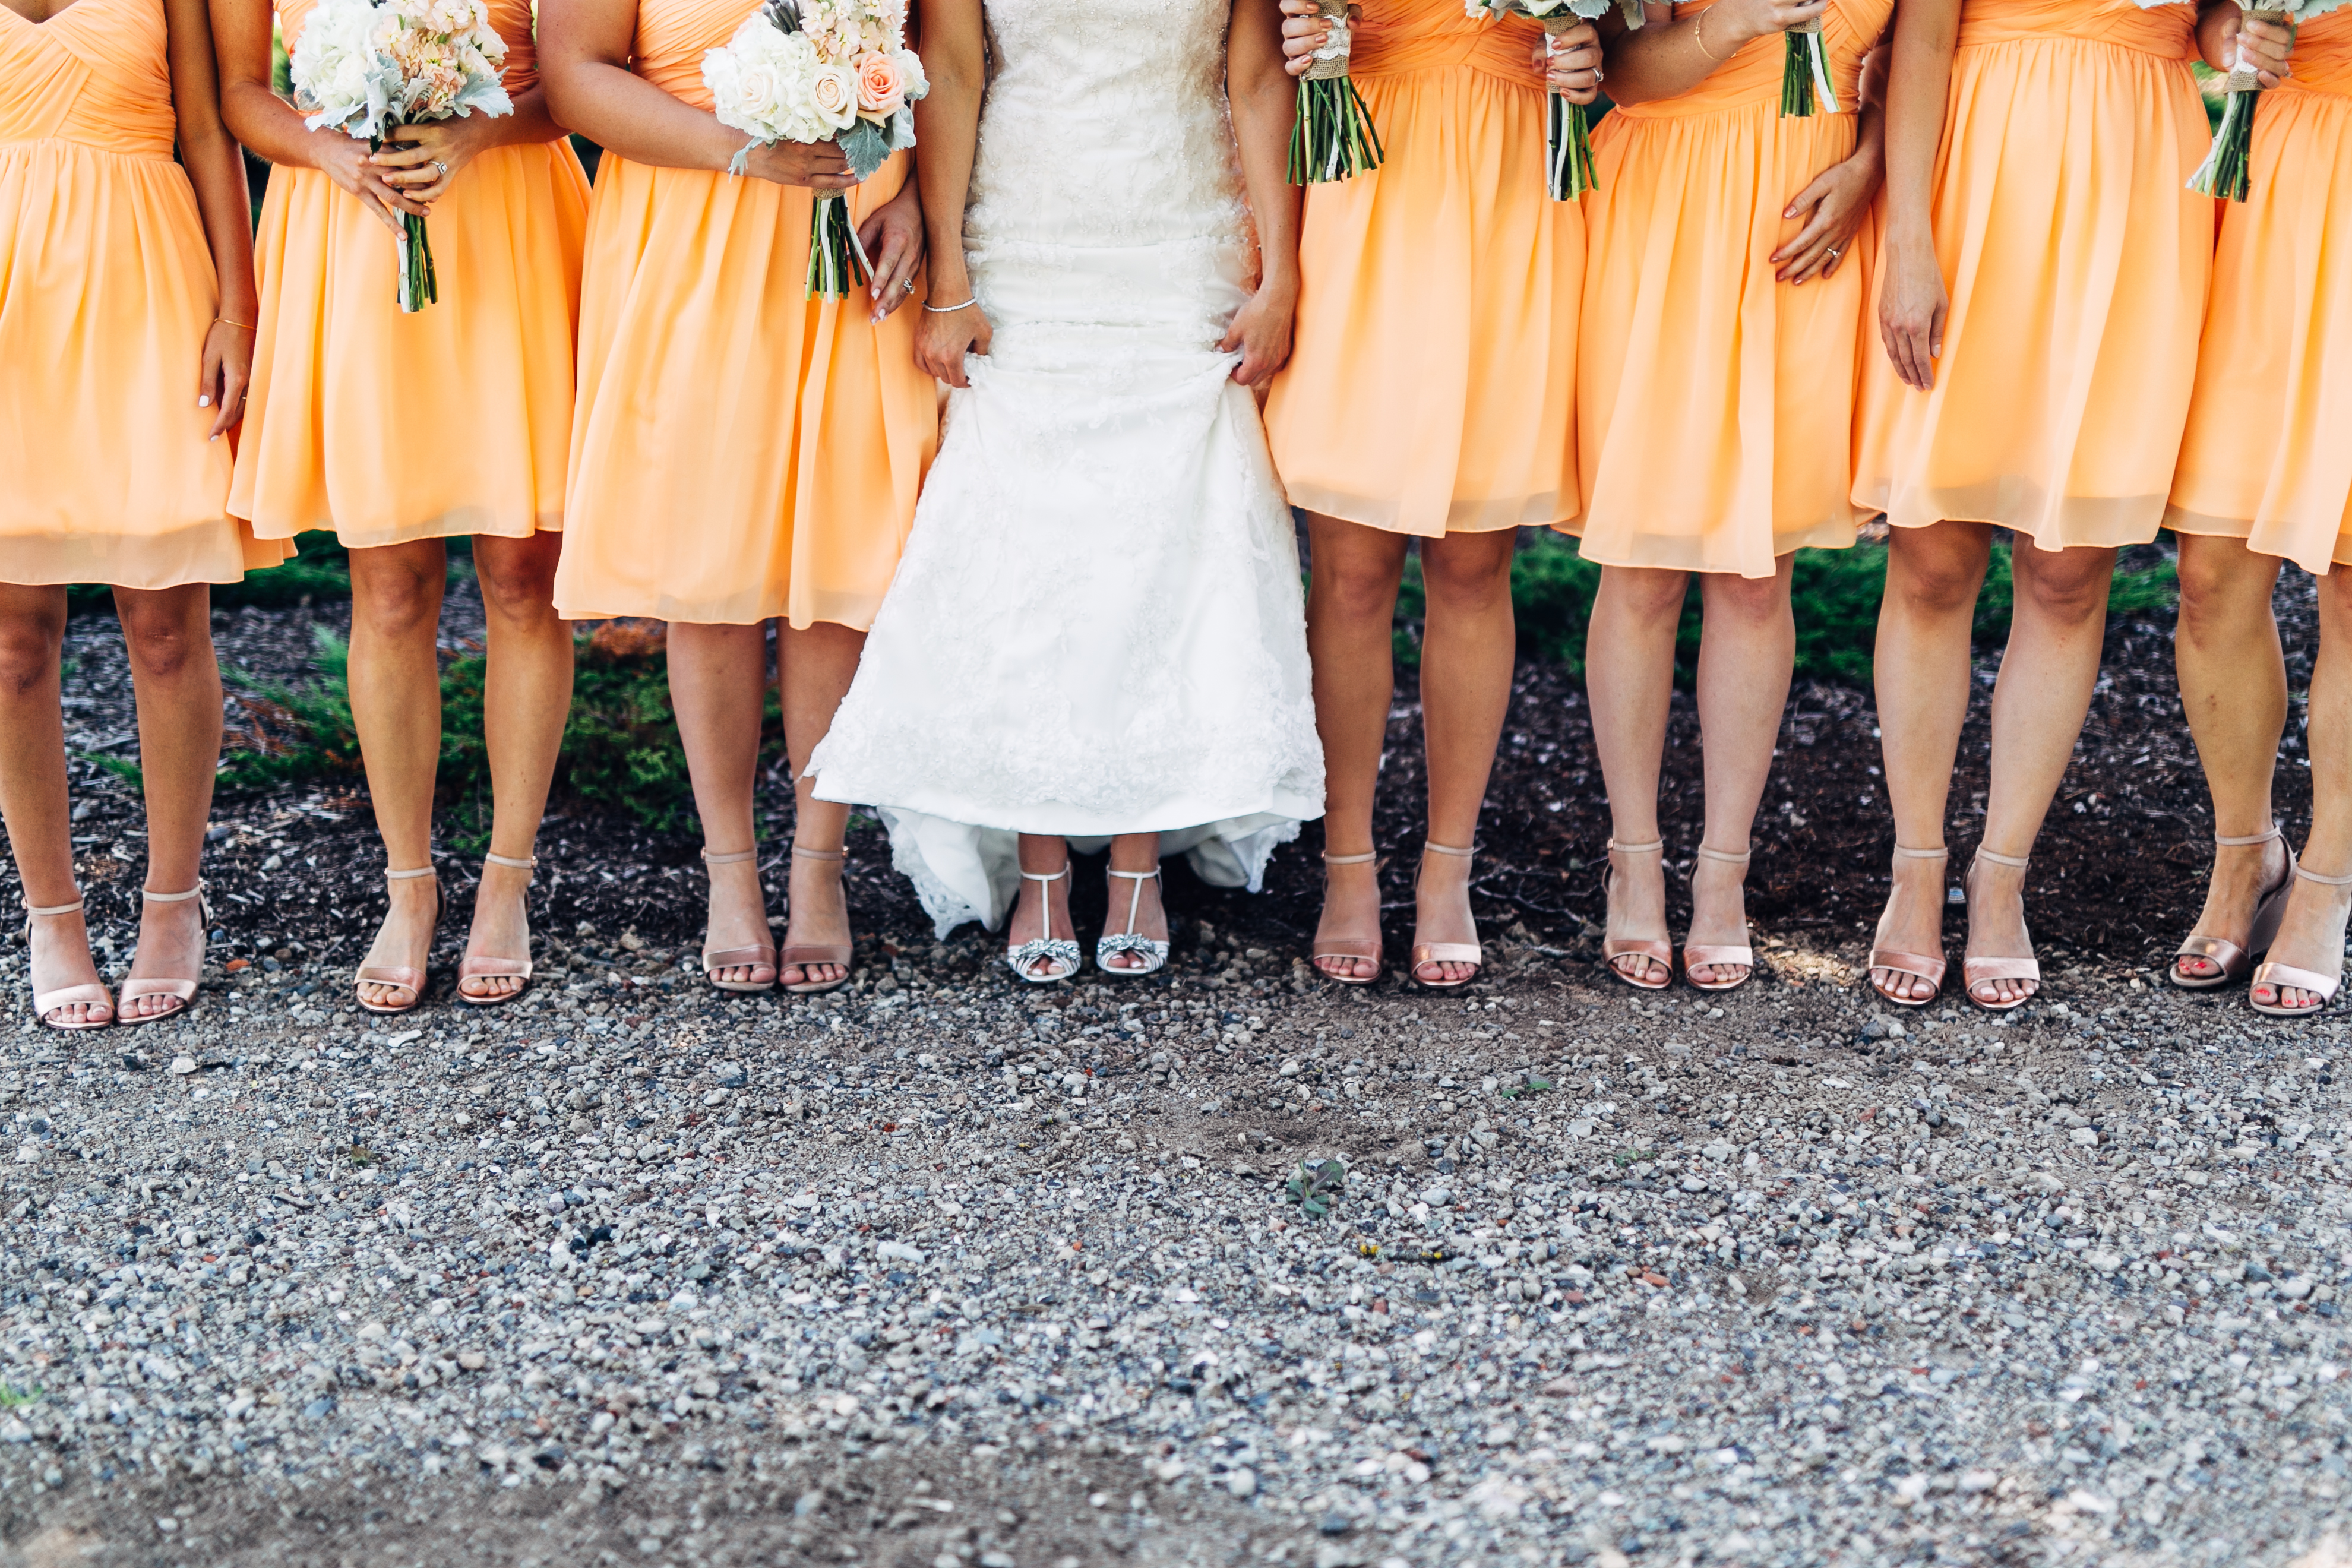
2268 457
1098 627
108 473
2076 260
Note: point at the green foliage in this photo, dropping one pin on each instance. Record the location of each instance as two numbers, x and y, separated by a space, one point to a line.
14 1398
1529 1089
1317 1184
290 732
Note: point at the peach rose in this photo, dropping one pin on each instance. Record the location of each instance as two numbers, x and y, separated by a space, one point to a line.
881 85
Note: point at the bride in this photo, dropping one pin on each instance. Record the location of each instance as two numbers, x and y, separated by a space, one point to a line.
1096 632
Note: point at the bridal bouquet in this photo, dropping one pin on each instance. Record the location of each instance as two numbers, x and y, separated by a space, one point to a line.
834 70
1805 72
368 65
2225 172
1568 130
1333 136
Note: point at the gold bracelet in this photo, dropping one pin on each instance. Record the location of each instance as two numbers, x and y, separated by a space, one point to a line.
1699 36
240 326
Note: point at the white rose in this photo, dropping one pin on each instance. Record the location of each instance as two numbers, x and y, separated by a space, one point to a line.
833 91
911 64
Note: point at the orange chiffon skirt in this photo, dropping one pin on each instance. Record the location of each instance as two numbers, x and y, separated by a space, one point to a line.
2077 261
1431 383
454 419
108 473
1715 405
2268 457
741 451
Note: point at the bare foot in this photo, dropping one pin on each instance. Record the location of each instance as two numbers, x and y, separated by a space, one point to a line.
404 940
170 947
816 915
1351 913
2243 873
1042 904
1637 912
1913 921
1150 919
1997 928
2310 938
739 919
1441 913
60 959
501 930
1719 916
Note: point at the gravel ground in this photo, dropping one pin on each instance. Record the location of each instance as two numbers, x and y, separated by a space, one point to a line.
945 1270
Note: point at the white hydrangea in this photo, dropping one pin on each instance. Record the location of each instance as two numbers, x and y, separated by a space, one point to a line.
344 76
764 83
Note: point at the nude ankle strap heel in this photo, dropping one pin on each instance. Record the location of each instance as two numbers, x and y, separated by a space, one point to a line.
1976 972
397 976
498 968
1655 948
1428 953
2229 961
760 956
2276 975
1366 949
804 953
1704 957
1914 965
182 992
89 992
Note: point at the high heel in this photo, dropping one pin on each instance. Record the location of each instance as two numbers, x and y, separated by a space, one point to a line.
2225 955
804 953
1914 965
1353 948
1976 972
88 992
1425 954
761 955
182 991
498 968
398 976
1655 948
1062 952
1111 945
2277 974
1699 956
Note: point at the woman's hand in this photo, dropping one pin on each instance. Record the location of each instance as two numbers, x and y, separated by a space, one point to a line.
1837 201
1730 24
228 368
2224 30
1261 330
944 337
892 238
1304 29
420 161
1912 305
345 160
1572 63
819 165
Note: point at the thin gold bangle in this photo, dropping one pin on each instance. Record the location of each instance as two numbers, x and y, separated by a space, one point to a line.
1699 36
240 326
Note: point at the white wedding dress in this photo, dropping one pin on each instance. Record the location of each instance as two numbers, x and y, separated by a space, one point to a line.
1096 627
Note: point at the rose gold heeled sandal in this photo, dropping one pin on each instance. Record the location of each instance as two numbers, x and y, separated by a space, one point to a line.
1655 948
89 992
398 976
498 968
1914 965
2227 957
183 992
1701 956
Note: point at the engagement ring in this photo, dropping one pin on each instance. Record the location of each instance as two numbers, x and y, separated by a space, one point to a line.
443 167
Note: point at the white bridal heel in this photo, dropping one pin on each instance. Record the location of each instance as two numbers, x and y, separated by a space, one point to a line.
1111 945
1062 952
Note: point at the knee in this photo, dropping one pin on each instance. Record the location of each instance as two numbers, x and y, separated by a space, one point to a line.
1750 601
28 654
398 605
1644 595
162 646
517 590
1469 579
2065 585
1356 589
1935 582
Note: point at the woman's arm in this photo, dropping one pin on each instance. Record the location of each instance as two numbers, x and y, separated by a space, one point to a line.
269 125
583 65
1837 200
1666 58
216 169
947 130
1265 102
1912 300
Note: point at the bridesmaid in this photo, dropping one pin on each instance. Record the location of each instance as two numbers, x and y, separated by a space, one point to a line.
2040 288
2265 474
400 432
1427 397
126 340
1725 290
741 453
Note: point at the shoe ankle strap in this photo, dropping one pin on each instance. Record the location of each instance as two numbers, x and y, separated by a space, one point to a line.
155 897
2015 862
1046 876
1435 847
392 875
1725 855
55 910
1150 876
2262 838
1938 853
1331 860
527 863
801 854
734 858
2310 875
1653 844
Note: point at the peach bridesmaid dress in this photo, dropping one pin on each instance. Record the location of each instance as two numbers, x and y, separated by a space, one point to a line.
1714 404
106 291
741 450
1431 384
2268 457
2076 260
388 428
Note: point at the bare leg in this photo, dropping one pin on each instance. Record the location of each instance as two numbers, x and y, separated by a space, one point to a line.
1043 908
1467 649
1136 852
2312 936
33 792
820 660
1629 674
169 635
1350 610
525 699
1933 576
2233 689
718 684
1745 659
395 684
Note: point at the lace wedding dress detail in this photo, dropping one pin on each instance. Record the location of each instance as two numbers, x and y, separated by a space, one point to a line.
1097 625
